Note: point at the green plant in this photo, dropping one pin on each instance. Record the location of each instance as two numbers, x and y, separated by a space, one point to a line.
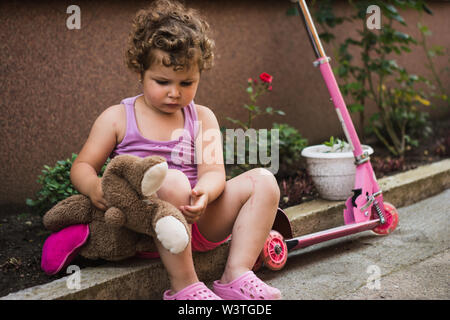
256 89
56 185
290 140
376 76
401 119
291 144
336 145
431 53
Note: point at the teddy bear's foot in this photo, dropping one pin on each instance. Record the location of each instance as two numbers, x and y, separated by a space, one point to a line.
172 234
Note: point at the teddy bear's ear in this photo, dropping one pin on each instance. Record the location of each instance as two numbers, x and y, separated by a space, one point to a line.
153 178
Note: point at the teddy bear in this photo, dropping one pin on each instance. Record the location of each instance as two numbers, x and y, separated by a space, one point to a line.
135 217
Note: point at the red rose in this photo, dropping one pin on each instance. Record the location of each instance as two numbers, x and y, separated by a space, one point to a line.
265 77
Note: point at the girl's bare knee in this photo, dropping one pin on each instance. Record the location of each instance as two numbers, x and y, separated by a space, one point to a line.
175 189
267 183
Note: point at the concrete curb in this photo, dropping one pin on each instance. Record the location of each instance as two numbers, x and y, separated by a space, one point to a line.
147 279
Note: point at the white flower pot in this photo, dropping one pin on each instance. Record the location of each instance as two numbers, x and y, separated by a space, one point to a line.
333 173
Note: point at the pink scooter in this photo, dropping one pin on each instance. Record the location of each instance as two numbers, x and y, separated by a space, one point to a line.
365 210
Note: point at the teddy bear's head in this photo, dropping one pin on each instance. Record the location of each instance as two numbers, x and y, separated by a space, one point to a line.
145 175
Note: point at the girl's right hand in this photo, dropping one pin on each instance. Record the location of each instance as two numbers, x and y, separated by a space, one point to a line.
96 195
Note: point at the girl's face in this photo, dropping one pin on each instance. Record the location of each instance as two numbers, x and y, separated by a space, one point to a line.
167 90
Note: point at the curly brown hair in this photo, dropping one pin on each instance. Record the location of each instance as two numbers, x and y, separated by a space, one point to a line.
179 32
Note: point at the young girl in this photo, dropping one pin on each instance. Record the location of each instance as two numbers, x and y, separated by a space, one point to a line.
168 49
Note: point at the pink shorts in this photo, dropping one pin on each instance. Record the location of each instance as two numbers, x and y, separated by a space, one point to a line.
198 242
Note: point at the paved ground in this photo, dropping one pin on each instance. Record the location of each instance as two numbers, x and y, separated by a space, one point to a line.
411 263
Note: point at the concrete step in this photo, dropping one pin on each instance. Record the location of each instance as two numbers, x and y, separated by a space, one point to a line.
147 279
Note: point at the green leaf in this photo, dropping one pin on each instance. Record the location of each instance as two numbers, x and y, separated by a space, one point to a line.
438 50
354 85
392 12
399 18
391 9
292 11
342 71
405 48
355 107
402 36
426 9
424 29
326 37
232 120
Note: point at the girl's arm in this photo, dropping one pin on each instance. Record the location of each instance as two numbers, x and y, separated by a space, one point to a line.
210 166
99 145
211 169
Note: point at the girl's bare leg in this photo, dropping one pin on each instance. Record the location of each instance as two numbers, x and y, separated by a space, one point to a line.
180 267
247 209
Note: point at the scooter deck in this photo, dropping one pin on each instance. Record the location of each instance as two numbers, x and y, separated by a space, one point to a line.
329 234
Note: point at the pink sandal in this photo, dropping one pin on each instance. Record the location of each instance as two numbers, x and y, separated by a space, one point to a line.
246 287
196 291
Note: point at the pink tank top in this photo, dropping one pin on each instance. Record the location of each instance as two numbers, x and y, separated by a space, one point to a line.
180 153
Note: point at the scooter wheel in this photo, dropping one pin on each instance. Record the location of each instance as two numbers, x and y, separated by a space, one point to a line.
274 253
391 220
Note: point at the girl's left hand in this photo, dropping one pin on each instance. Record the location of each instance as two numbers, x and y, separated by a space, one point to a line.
199 201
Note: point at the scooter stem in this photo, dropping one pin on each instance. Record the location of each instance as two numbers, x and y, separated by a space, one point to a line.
333 88
341 108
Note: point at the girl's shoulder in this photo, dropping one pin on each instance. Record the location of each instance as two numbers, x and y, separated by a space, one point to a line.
204 113
114 117
206 117
112 114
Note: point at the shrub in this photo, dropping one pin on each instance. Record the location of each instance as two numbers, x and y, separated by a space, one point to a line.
291 145
56 185
291 142
377 77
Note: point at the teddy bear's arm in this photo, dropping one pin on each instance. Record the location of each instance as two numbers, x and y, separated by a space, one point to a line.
121 195
76 209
